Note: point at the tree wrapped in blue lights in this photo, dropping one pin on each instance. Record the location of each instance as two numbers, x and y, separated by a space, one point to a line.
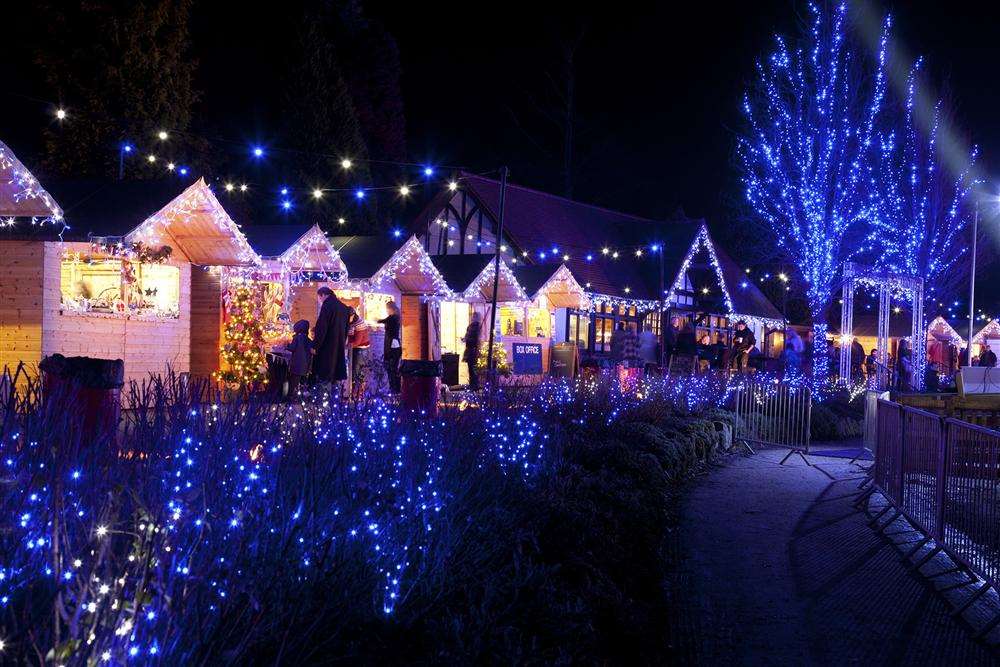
808 152
926 176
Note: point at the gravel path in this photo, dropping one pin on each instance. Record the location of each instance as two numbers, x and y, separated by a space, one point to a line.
776 567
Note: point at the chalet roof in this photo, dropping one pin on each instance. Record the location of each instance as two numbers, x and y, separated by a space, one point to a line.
273 240
196 222
461 272
536 221
21 195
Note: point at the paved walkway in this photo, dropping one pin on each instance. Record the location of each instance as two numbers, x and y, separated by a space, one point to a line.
777 568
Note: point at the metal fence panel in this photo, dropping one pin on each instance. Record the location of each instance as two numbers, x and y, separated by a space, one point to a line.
920 459
944 474
971 498
889 451
773 414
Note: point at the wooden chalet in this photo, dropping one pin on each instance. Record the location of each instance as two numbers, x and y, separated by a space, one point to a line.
616 257
120 281
380 270
296 261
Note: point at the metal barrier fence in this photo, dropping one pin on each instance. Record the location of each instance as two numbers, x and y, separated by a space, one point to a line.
944 476
773 414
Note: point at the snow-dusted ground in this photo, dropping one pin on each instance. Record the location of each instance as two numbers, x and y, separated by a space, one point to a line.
777 567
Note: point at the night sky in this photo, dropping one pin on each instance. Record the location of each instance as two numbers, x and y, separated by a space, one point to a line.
658 87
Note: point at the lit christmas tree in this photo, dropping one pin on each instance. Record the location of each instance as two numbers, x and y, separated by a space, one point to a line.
807 157
500 362
243 349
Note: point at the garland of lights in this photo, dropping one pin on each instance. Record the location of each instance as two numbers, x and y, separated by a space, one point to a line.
941 326
402 258
991 330
195 202
26 187
484 283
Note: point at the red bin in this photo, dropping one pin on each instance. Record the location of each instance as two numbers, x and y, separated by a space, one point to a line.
87 391
420 386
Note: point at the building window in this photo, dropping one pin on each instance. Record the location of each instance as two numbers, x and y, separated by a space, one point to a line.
578 328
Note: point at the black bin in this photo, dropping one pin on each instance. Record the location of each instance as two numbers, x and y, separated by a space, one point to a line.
421 381
449 371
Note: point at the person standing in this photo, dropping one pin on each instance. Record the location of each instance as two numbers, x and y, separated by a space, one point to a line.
647 349
300 356
392 350
987 357
618 343
358 337
330 337
471 353
743 342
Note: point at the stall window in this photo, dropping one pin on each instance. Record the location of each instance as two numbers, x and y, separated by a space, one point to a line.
454 321
157 290
121 287
603 328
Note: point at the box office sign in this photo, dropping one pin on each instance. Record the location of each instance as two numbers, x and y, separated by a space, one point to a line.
527 358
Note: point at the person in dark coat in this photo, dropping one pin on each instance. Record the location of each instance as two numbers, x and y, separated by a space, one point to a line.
987 357
670 338
743 342
392 345
330 337
300 350
471 353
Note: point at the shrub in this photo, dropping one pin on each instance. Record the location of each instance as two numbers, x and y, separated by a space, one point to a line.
201 531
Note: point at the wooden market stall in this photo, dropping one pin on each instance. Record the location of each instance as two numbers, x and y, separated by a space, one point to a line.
380 271
297 260
119 284
944 346
471 278
990 335
23 204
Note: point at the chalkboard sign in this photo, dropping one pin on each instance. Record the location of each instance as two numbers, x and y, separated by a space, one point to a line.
527 358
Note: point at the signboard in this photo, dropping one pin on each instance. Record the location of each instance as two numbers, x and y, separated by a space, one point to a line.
527 358
563 360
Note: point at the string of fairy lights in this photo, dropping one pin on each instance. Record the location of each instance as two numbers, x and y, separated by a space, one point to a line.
416 176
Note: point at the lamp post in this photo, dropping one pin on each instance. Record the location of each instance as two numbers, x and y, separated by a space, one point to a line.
972 285
496 278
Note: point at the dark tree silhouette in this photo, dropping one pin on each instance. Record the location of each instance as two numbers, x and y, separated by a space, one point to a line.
124 71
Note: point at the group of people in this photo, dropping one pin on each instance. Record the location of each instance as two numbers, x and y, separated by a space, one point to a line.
680 340
629 347
341 336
